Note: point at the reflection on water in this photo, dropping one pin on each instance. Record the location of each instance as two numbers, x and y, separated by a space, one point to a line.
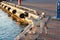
8 28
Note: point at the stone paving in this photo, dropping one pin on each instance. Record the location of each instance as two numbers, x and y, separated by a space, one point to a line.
53 32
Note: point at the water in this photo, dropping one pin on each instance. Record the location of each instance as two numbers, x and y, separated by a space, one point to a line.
8 28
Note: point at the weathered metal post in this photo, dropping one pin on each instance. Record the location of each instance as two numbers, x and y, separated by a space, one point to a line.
58 9
19 2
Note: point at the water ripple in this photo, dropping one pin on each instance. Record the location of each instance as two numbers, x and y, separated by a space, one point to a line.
8 28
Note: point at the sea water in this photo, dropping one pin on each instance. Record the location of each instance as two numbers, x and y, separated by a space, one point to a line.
8 28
